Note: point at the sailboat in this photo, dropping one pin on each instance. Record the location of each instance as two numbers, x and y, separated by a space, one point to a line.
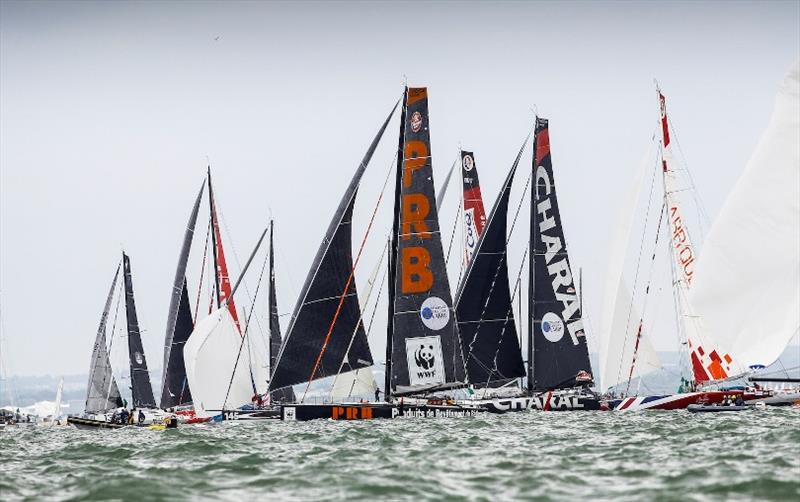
714 314
103 397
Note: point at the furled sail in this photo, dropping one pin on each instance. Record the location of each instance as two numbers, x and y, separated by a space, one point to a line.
618 333
560 354
180 325
708 362
747 290
483 302
474 213
426 349
57 404
102 392
315 316
141 389
286 394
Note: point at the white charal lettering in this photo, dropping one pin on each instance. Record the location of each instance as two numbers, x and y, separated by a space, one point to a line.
570 305
552 247
575 329
560 273
548 221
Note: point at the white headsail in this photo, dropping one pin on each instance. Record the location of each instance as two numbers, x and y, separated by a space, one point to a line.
747 291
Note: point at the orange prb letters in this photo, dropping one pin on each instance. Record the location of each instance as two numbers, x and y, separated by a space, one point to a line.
415 209
416 276
415 155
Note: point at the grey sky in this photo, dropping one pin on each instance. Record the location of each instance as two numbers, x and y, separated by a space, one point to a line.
108 111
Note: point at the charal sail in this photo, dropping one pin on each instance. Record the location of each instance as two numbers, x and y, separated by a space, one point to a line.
426 351
285 394
102 392
483 302
474 213
174 389
560 355
141 389
327 312
747 289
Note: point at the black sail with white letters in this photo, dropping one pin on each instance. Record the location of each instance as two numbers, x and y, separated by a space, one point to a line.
316 309
560 353
141 389
484 305
426 350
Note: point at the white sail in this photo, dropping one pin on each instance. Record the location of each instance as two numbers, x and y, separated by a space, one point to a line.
747 291
620 319
57 405
210 356
358 384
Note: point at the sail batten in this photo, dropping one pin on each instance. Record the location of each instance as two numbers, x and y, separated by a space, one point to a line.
483 301
328 279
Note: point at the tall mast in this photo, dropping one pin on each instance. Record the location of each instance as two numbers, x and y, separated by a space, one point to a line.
213 216
392 266
532 268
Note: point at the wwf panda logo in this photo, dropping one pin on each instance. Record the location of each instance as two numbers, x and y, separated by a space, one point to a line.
424 357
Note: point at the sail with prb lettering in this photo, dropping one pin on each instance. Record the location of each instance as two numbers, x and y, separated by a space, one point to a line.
426 353
483 302
560 354
474 213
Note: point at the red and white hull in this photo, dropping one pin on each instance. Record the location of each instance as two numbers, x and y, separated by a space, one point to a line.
672 401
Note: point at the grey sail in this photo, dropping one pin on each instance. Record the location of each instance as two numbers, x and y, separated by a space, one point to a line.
141 388
327 312
173 390
102 392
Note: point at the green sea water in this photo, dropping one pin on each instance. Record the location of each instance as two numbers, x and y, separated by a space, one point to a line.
751 455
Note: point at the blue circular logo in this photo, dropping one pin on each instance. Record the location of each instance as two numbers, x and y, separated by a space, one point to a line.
545 326
427 313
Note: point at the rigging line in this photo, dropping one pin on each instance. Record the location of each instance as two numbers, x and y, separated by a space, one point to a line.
639 260
202 273
704 218
519 207
453 235
347 285
108 349
360 322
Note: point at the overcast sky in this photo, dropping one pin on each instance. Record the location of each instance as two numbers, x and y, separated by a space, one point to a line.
109 111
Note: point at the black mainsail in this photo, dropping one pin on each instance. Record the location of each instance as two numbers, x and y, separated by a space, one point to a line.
102 392
425 347
174 391
560 353
305 355
141 389
484 304
286 394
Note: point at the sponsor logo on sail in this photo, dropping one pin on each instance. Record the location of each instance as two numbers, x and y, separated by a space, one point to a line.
552 327
470 232
469 163
435 313
138 357
425 361
416 121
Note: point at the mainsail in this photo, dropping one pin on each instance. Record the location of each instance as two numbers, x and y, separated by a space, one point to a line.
221 278
275 341
141 389
560 354
708 363
426 351
483 302
102 392
315 318
474 213
747 290
180 325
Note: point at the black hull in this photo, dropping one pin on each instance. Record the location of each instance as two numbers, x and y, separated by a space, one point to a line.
369 411
544 402
251 415
87 423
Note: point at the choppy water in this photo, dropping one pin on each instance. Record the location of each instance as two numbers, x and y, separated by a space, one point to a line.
664 455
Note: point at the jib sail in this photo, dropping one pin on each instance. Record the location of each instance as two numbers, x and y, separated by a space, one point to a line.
102 392
316 309
483 302
174 390
141 389
425 346
560 354
474 213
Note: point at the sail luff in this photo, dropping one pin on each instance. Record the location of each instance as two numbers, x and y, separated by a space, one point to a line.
141 388
176 297
102 392
319 299
275 341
